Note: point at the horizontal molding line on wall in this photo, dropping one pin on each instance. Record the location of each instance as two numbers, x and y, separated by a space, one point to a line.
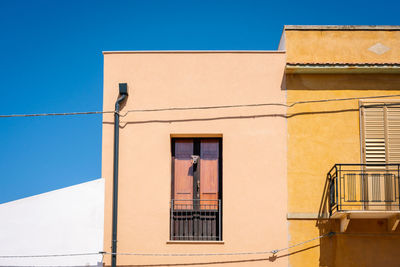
307 216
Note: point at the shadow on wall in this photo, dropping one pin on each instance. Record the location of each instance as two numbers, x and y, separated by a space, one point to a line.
124 123
310 82
342 82
366 242
270 259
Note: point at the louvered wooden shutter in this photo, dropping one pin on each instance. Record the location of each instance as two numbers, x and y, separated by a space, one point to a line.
381 133
374 135
393 134
381 138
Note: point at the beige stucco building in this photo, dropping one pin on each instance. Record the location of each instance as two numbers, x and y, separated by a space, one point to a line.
222 163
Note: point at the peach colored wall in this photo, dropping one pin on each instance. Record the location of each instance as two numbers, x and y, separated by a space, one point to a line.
254 150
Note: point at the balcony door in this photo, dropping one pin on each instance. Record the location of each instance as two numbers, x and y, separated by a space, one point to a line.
380 131
196 184
183 178
196 172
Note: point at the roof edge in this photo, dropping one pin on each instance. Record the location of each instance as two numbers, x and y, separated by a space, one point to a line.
52 191
342 27
343 68
193 51
347 64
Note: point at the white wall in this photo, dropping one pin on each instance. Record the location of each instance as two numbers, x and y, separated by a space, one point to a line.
68 220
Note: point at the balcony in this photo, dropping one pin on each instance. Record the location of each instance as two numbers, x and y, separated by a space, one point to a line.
364 191
196 220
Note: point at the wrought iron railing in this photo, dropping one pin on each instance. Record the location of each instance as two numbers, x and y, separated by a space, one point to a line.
195 219
363 187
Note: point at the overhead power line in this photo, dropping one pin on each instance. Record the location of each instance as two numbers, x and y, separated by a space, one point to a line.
54 114
259 104
50 255
171 254
201 107
273 252
339 99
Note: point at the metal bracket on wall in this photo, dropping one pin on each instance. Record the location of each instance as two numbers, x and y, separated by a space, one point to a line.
393 222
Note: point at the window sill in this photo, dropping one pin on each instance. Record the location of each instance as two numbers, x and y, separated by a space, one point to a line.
202 242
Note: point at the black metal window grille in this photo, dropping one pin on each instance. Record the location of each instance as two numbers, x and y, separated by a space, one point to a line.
195 219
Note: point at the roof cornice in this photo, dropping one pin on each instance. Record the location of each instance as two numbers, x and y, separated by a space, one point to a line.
342 68
342 28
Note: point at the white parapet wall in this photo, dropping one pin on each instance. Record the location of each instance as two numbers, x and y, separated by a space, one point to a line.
65 221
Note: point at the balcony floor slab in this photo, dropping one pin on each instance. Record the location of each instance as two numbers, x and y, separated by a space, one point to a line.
365 214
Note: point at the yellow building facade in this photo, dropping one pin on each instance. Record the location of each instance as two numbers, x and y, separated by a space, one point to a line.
343 87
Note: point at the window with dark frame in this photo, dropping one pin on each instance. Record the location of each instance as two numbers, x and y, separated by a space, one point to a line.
196 208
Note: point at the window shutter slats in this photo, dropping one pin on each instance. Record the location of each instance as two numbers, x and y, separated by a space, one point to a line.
374 135
393 134
381 133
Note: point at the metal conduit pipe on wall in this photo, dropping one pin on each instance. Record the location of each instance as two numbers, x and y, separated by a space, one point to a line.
123 94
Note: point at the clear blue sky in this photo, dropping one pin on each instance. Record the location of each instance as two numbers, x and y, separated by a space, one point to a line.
51 61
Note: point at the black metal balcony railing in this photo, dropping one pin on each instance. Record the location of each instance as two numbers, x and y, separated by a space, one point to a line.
195 219
363 187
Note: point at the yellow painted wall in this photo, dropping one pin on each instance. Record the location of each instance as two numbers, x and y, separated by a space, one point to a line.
322 134
341 46
254 151
366 243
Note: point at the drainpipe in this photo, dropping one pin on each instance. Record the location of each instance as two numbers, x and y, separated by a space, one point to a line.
123 94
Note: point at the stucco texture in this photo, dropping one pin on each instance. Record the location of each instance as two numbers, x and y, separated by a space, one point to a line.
320 135
341 46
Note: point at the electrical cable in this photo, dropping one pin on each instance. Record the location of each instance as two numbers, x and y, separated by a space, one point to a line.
258 105
200 107
339 99
170 254
55 114
49 255
273 252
